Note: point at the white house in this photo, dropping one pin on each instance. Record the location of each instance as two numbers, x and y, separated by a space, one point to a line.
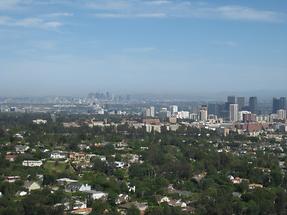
85 187
21 148
39 121
119 164
32 185
96 195
32 163
58 155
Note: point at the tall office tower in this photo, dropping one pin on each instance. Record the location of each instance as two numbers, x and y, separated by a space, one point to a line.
213 108
233 112
283 103
152 111
163 113
281 114
241 103
231 99
173 109
193 116
253 104
147 112
278 104
203 114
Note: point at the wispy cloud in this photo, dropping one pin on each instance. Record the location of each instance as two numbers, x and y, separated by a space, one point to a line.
153 9
140 50
183 9
61 14
109 5
233 12
228 43
9 4
29 22
122 15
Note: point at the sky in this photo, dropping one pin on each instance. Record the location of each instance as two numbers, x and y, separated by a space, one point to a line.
73 47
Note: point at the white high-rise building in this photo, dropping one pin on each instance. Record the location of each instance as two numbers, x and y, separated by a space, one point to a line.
241 113
193 116
147 112
281 114
173 109
203 115
233 112
152 111
183 115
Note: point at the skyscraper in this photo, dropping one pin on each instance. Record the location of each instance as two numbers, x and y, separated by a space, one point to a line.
278 104
233 112
203 113
213 108
283 103
281 114
253 104
173 109
241 103
231 99
152 111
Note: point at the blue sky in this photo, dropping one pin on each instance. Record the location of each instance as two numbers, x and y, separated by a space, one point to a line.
72 47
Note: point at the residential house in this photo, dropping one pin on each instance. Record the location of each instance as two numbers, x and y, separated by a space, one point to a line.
82 211
254 186
121 199
65 181
19 136
39 121
79 204
199 177
32 163
21 193
21 149
77 187
10 157
96 195
119 164
12 179
32 185
58 155
142 206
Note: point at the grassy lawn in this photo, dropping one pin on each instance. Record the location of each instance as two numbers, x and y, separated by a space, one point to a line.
56 167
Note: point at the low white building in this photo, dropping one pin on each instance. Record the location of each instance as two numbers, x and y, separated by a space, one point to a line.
39 121
58 155
96 195
155 128
32 163
119 164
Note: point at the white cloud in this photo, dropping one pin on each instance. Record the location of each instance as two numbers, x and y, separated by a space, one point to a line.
29 22
242 13
8 4
37 23
151 9
109 5
184 9
140 50
63 14
138 15
228 43
4 20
